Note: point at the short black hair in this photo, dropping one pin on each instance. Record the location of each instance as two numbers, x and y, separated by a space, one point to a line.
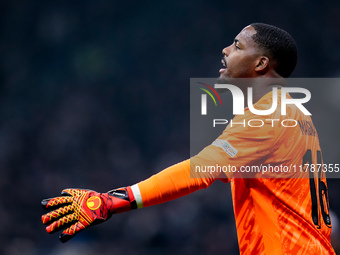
279 45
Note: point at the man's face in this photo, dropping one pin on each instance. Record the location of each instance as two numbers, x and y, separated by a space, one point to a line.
241 57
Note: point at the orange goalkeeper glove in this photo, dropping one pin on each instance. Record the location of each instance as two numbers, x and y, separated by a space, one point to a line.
78 209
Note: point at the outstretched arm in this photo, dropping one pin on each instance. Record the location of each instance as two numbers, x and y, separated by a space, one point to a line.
169 184
78 209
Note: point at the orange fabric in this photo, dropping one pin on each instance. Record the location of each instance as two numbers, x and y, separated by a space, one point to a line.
273 212
172 183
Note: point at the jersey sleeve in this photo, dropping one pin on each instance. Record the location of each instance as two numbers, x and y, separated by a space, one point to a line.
239 145
171 183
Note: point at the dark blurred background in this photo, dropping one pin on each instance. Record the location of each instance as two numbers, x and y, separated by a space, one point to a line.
95 94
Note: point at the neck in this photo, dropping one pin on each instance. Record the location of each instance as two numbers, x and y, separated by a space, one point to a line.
261 86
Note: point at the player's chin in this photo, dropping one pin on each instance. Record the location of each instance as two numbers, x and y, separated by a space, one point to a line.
223 79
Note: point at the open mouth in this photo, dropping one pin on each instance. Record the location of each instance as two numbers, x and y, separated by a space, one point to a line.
224 63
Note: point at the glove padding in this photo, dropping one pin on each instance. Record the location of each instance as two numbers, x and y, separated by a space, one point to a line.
78 209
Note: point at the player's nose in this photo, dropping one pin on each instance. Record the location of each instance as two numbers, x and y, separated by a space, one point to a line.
225 51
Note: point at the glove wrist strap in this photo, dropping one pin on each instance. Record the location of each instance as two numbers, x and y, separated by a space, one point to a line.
124 200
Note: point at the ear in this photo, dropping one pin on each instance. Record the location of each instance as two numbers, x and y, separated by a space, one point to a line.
262 64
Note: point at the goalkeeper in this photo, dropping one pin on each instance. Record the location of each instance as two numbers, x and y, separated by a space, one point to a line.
273 215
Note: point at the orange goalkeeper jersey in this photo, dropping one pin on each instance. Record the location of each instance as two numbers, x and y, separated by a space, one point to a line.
280 203
279 210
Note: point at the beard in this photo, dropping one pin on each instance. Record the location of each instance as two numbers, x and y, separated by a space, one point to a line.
222 80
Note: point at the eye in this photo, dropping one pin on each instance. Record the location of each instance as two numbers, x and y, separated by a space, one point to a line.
237 47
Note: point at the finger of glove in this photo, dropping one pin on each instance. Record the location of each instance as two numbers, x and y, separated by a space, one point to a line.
74 192
51 216
56 202
61 223
70 232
